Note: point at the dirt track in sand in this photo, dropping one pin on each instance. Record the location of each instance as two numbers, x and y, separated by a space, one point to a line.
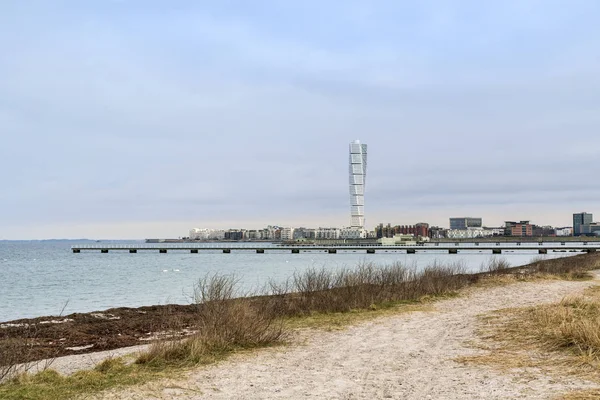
409 356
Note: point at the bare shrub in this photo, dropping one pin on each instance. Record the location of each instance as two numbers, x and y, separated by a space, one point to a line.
321 290
17 352
224 323
496 265
575 267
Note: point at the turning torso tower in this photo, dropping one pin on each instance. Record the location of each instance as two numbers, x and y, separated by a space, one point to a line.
358 174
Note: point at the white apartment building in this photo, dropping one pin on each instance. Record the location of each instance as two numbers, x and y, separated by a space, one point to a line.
287 233
564 231
206 234
328 233
353 233
469 233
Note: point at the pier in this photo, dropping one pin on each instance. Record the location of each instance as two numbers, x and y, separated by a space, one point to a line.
455 248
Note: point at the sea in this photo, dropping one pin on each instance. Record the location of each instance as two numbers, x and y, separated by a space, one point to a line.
42 278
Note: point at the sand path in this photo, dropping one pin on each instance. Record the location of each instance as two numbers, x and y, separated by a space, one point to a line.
406 356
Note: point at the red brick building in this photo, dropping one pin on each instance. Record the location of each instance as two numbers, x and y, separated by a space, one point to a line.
522 228
420 229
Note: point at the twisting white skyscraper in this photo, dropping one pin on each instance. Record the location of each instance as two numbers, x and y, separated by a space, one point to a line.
358 174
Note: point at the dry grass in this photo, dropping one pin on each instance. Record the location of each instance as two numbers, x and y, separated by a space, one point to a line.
558 339
50 385
593 394
570 268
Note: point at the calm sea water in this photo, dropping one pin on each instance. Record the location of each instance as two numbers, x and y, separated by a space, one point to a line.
40 278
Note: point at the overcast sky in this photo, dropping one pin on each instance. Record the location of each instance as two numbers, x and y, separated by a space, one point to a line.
134 119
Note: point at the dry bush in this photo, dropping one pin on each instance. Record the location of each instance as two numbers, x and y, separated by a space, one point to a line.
16 353
496 266
576 267
10 353
324 291
224 323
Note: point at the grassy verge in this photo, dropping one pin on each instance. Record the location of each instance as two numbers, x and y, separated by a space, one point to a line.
228 321
559 339
51 385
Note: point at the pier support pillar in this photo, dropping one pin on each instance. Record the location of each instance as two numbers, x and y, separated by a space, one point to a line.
133 250
226 251
162 251
590 250
260 251
496 251
332 251
370 251
542 251
194 251
104 251
295 251
452 251
76 251
411 251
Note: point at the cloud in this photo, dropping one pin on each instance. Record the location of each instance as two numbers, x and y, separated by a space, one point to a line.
141 115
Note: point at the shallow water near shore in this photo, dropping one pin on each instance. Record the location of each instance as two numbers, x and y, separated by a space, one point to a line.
45 278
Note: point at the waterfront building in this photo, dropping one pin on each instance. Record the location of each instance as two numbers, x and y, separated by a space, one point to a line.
358 174
580 219
234 234
566 231
353 233
436 232
304 233
592 229
465 222
544 231
328 233
199 234
206 234
398 240
522 228
469 233
287 234
421 229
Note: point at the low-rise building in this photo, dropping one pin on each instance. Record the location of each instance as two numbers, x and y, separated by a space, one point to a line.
469 233
206 234
398 240
592 229
353 233
521 229
328 233
287 234
566 231
234 234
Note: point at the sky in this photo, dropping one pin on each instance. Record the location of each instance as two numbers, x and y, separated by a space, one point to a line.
136 119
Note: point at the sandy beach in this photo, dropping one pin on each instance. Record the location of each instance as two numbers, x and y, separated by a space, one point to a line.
404 356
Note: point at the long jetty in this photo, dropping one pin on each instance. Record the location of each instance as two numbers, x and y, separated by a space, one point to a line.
450 248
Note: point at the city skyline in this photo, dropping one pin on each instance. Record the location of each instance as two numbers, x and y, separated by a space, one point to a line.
141 119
